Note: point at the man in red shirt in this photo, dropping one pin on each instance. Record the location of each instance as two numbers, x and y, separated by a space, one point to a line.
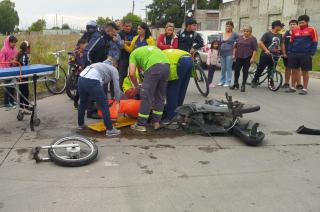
303 45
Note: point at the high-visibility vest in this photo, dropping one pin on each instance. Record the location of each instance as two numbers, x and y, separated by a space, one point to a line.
174 56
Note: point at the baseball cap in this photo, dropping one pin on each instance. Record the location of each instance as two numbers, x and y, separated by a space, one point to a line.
277 23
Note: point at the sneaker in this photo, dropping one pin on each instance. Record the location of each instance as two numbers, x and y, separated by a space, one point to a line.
303 92
254 84
212 85
220 84
299 87
82 127
138 127
226 85
291 90
113 132
166 121
286 86
156 125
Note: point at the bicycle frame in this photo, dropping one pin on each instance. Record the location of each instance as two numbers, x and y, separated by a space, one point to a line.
57 55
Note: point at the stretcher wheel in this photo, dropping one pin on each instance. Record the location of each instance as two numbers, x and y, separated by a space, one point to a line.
36 122
20 116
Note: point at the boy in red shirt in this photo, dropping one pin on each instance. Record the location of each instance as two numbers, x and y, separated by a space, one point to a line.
303 45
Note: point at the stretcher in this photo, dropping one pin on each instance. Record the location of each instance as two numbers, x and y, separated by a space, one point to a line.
11 77
128 113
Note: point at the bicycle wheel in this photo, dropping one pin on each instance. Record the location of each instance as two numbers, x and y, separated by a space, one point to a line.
56 83
73 156
275 81
251 72
71 87
201 81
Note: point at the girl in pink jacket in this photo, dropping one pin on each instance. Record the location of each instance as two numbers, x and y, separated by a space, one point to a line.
8 54
212 61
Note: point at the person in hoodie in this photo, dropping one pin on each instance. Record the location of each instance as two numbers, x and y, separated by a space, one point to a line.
7 55
115 45
169 39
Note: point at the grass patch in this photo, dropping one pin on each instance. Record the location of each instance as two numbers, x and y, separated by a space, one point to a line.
41 46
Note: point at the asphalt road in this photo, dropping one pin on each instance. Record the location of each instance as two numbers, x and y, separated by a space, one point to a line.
169 172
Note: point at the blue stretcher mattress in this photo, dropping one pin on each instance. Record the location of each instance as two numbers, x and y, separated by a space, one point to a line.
26 70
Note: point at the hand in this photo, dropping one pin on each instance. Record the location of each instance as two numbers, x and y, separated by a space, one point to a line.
117 107
252 60
267 52
114 38
127 42
234 58
285 56
192 51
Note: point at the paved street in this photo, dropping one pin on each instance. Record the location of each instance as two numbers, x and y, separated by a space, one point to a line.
169 171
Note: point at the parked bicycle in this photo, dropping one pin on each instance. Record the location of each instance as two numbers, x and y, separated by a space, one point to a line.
56 83
73 75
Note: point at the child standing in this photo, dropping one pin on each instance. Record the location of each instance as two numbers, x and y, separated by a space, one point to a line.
23 59
212 61
7 55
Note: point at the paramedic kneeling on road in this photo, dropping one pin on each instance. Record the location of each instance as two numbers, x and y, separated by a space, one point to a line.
90 84
155 67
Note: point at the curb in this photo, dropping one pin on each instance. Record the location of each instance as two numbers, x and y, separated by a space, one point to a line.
315 74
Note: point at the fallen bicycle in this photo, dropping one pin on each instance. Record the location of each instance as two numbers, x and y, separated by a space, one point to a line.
72 151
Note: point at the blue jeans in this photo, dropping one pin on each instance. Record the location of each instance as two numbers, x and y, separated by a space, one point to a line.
177 89
92 89
226 69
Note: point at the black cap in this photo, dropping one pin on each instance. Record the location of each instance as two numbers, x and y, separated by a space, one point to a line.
277 23
190 21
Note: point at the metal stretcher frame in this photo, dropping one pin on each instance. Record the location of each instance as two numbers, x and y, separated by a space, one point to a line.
38 73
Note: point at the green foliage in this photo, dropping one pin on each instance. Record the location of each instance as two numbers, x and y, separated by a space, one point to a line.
66 26
55 28
101 21
163 11
38 26
8 17
136 20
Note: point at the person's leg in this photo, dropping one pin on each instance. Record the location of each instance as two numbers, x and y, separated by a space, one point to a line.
229 63
305 75
237 70
24 96
147 92
298 79
172 100
160 92
223 70
123 70
210 73
245 70
184 72
263 63
97 92
287 73
83 86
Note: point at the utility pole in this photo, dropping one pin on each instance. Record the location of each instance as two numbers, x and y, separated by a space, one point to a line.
132 7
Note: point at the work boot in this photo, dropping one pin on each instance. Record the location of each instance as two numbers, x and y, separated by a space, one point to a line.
138 127
113 132
254 84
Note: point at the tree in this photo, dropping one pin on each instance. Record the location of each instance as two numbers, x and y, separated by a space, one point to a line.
65 26
55 28
9 18
136 20
102 21
37 26
163 11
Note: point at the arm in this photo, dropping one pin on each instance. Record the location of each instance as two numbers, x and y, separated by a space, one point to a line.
116 84
255 50
263 47
160 43
198 41
151 41
283 46
209 57
132 75
90 48
314 36
130 48
175 44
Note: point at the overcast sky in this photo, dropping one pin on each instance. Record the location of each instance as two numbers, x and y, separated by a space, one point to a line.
75 12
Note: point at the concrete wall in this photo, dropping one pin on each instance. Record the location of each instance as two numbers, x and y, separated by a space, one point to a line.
260 13
207 19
